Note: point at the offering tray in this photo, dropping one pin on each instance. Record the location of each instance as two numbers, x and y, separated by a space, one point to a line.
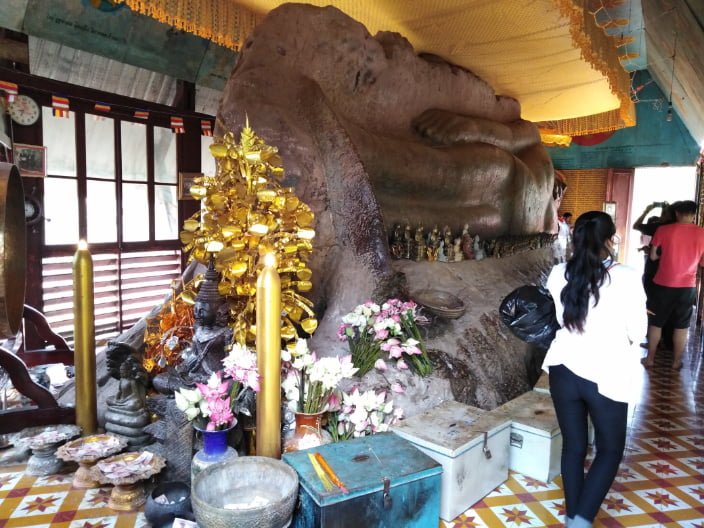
87 451
125 472
441 303
43 441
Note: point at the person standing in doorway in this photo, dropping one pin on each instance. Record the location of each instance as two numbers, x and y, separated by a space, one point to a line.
650 267
593 362
680 249
564 236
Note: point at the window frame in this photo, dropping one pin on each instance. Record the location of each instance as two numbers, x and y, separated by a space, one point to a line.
81 178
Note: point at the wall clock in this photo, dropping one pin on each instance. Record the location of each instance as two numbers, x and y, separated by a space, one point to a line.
24 110
32 210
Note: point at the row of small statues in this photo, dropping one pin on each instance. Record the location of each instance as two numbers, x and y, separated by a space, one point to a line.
441 246
436 245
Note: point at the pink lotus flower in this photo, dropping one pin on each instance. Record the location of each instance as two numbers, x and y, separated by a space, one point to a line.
386 345
379 364
220 414
334 402
382 333
395 352
397 388
401 365
253 380
215 389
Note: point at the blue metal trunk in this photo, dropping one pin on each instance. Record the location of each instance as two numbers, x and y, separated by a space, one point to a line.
367 467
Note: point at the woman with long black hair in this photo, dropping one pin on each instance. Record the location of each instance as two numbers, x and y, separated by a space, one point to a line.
594 361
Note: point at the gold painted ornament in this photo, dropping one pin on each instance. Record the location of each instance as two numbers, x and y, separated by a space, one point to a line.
245 213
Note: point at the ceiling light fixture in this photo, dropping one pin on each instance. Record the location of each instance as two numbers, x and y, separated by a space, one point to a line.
668 116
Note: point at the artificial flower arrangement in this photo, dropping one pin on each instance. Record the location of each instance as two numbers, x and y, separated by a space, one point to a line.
362 414
310 384
168 332
393 328
212 406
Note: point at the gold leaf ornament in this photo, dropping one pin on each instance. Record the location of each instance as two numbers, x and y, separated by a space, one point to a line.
245 213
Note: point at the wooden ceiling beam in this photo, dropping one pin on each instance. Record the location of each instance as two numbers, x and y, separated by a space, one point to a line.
665 21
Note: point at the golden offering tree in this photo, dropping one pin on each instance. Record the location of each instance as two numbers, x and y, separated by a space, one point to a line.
245 214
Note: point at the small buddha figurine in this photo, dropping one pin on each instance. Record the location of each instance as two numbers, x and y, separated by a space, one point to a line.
396 242
420 253
126 413
478 249
457 250
433 244
211 336
441 251
449 247
407 242
467 243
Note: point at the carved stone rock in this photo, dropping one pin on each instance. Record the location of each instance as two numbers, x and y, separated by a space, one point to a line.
371 135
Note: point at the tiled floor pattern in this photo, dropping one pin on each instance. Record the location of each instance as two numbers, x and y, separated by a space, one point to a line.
661 479
660 484
52 502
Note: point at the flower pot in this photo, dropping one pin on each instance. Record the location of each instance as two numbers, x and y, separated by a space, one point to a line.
215 449
308 433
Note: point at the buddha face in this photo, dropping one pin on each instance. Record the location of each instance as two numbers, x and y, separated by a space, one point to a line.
204 313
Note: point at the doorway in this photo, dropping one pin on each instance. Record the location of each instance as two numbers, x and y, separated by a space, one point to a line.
657 184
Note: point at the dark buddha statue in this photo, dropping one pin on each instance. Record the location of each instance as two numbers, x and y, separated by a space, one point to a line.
211 336
126 413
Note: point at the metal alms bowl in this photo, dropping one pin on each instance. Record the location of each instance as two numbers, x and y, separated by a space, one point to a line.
441 303
247 492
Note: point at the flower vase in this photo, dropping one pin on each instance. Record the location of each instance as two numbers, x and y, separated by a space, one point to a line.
307 433
214 450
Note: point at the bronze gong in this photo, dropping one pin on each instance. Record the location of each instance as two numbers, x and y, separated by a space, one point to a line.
13 250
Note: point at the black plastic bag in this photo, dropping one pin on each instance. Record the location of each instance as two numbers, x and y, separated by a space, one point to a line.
529 312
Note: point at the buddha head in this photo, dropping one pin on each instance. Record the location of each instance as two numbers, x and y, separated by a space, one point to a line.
209 300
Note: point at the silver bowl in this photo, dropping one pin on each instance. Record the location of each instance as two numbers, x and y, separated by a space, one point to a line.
247 492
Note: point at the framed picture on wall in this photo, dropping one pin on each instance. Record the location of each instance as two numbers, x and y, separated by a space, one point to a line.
30 160
185 180
610 209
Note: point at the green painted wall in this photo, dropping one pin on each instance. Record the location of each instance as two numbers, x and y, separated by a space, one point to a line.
123 36
652 142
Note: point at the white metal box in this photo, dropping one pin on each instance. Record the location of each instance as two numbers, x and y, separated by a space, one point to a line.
536 440
543 383
472 446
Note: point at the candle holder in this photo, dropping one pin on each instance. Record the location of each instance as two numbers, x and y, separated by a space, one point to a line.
125 472
87 451
43 441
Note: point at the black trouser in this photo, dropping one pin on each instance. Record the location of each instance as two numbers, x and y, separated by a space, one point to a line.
576 398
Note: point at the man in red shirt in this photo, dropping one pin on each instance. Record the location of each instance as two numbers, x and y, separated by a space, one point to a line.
680 249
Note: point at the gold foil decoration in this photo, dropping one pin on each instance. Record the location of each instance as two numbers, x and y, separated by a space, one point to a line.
245 213
170 331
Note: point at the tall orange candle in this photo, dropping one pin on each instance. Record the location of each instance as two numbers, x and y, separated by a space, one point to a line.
84 340
269 359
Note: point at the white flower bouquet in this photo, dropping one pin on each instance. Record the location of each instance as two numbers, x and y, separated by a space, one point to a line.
310 383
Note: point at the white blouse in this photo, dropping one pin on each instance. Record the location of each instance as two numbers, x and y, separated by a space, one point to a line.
608 351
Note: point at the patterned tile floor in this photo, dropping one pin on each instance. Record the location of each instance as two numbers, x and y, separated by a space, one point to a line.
660 483
661 479
51 502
